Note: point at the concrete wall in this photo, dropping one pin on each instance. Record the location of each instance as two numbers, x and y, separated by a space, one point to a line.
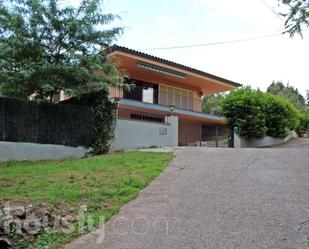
131 134
240 142
36 152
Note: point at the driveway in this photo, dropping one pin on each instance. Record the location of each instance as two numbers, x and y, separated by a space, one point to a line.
217 198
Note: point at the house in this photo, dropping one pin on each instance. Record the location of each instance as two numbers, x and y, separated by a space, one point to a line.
164 108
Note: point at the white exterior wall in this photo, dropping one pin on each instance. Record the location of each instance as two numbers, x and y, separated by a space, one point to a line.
37 152
240 142
132 134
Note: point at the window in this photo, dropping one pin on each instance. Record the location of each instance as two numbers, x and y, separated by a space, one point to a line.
148 94
143 91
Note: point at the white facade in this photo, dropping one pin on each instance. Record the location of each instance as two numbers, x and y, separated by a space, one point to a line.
134 134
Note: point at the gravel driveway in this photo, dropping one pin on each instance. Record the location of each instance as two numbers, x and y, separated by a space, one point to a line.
217 198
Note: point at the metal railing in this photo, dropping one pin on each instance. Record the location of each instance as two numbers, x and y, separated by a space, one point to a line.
140 115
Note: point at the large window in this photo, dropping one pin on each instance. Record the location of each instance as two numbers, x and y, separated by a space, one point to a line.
143 91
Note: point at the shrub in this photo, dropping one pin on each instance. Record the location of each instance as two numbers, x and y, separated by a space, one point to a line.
254 114
303 124
244 110
105 117
281 116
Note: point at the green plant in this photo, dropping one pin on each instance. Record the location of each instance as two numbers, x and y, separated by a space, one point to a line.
105 120
103 183
303 124
104 112
48 45
244 110
281 116
255 114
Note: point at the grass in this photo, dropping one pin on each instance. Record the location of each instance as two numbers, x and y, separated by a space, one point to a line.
103 183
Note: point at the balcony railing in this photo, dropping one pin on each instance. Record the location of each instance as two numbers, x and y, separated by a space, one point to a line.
141 116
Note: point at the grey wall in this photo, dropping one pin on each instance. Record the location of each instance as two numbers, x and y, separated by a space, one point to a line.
36 152
131 134
240 142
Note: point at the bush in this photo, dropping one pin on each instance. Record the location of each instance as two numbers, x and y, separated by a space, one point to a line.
104 114
255 114
303 124
281 116
244 110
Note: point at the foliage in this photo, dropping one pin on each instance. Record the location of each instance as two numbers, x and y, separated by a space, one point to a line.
211 104
307 100
281 116
303 125
105 120
297 17
288 92
244 109
104 114
108 182
47 46
255 114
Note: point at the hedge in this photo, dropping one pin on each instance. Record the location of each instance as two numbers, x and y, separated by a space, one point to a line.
104 112
255 114
38 122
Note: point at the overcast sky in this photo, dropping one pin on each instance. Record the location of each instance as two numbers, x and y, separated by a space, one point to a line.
168 23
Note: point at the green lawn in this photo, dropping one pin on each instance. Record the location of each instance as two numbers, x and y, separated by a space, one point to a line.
103 183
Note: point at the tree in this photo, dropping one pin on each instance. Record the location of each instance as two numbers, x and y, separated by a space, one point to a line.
288 92
297 17
46 47
211 104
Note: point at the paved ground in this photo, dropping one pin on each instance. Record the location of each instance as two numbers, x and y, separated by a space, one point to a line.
217 198
295 143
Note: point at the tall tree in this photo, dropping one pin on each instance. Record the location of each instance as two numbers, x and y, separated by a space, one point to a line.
46 47
297 16
288 92
211 104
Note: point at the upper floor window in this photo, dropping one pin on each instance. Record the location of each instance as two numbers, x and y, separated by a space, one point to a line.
143 91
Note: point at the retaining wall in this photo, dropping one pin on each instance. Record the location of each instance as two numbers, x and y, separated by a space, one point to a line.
240 142
37 152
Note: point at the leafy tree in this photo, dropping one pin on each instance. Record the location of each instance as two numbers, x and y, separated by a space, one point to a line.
297 17
288 92
46 47
211 104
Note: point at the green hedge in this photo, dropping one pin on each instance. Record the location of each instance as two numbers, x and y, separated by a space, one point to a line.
104 112
303 125
255 114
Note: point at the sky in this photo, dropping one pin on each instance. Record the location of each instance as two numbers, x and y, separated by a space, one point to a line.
168 23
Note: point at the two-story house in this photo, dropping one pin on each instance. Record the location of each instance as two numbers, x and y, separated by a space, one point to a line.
164 108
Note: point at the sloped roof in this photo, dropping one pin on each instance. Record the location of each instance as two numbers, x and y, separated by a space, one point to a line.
174 64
